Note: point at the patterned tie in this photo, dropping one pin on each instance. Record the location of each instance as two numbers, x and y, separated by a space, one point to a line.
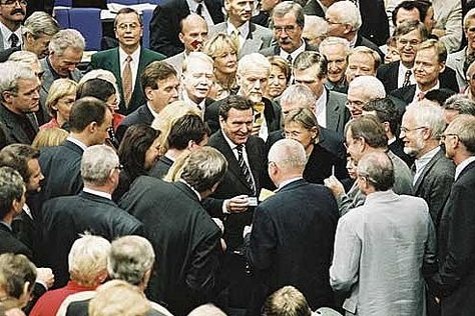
127 81
420 96
235 38
14 40
199 9
289 59
245 169
407 78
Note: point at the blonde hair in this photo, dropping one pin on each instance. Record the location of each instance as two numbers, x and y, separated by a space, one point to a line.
59 89
49 137
175 171
216 45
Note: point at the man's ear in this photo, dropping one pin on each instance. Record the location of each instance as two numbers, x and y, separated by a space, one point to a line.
442 67
180 37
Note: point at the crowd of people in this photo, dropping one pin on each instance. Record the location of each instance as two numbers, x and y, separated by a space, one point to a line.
260 158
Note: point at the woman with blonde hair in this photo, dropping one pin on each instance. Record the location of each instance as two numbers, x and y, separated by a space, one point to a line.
59 101
49 137
223 51
301 125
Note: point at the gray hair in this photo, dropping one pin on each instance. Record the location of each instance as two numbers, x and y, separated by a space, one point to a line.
461 103
468 16
347 13
253 61
378 170
288 154
290 7
333 40
96 164
11 73
373 87
24 57
40 23
430 116
464 127
194 57
207 310
316 25
308 59
68 38
298 95
12 189
131 257
87 258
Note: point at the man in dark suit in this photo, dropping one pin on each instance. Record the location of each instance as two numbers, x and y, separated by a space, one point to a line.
454 283
421 128
248 37
89 121
24 159
310 68
344 20
36 33
160 85
165 23
429 63
128 60
252 73
92 210
291 241
185 238
400 73
19 98
288 23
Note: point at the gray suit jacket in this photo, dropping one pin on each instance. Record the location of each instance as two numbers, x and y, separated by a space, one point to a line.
48 78
176 61
394 235
456 62
434 183
259 37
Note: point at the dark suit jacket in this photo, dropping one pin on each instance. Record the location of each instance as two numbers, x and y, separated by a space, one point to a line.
142 115
61 167
363 41
271 112
17 128
109 60
64 218
433 184
274 50
165 24
185 239
235 184
291 242
388 74
455 281
161 167
4 54
9 243
406 93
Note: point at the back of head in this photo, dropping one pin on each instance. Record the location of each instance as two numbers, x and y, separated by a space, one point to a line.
189 127
439 95
288 301
97 88
49 137
204 168
118 298
97 163
86 111
17 274
207 310
130 259
87 259
289 155
373 88
12 189
460 103
370 129
463 126
385 110
377 169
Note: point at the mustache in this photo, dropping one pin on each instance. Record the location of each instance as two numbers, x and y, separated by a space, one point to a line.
19 10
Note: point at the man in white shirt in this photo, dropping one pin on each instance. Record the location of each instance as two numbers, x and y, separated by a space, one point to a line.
12 14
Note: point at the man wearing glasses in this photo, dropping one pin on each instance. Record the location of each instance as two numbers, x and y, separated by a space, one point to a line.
12 14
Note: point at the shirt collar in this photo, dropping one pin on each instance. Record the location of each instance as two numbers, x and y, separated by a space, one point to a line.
243 29
462 165
295 53
230 142
77 142
155 114
98 193
6 32
193 5
289 181
424 160
123 55
192 189
6 224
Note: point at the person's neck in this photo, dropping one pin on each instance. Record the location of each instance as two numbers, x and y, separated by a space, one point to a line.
174 153
106 188
12 109
288 176
408 65
429 145
11 25
309 149
427 87
60 120
460 156
8 218
225 80
82 137
129 49
236 23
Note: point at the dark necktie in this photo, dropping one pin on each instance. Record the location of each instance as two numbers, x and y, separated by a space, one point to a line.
289 59
14 40
199 9
245 169
407 78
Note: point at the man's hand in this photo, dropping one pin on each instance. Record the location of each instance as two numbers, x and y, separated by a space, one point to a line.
237 204
45 276
334 185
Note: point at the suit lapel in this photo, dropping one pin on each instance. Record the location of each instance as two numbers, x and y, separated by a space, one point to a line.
426 170
332 109
252 43
115 67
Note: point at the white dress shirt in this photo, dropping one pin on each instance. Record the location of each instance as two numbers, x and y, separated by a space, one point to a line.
6 33
98 193
414 100
243 31
402 75
134 64
422 162
321 109
462 165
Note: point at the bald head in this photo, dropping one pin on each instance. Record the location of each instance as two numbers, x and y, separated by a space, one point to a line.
377 171
287 160
194 32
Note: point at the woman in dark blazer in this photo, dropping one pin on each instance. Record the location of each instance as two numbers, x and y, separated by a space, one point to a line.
302 126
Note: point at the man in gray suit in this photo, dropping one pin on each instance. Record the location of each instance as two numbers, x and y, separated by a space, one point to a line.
421 127
310 68
65 53
249 37
384 247
193 34
366 135
288 23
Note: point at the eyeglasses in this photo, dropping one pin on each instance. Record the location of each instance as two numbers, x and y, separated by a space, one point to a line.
124 26
331 22
411 43
294 134
470 29
13 2
405 130
289 29
444 136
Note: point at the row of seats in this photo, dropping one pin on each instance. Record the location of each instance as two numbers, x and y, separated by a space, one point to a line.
88 22
68 3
